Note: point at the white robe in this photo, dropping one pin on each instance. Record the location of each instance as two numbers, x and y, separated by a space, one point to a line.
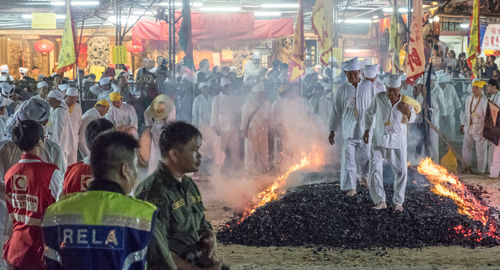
202 110
60 132
250 70
255 119
437 108
75 115
88 116
225 120
348 110
123 116
154 153
4 132
452 107
473 132
389 143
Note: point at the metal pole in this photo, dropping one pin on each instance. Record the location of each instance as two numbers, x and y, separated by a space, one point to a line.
173 38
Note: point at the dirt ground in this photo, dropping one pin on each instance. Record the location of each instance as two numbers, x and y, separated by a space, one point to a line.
315 258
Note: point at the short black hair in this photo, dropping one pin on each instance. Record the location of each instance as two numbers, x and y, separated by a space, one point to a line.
96 127
109 150
26 134
176 133
493 82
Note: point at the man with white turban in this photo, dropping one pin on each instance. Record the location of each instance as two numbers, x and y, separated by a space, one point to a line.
437 109
251 69
472 128
388 117
348 111
255 120
202 106
225 120
43 91
4 74
59 129
75 115
103 89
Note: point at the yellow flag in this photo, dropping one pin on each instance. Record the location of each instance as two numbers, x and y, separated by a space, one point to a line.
322 21
67 55
119 55
474 47
393 39
296 64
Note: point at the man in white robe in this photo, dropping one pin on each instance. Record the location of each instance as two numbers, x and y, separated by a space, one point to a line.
103 89
225 120
59 128
4 74
348 111
122 115
255 120
251 70
43 91
415 141
75 115
472 128
452 106
388 117
437 109
202 106
4 132
99 111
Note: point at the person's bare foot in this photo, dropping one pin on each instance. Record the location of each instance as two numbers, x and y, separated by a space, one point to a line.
351 193
380 206
363 182
398 208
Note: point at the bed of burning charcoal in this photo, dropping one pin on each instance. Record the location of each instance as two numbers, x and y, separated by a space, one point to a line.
320 214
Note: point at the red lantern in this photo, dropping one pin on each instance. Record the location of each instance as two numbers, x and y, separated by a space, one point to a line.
134 48
44 46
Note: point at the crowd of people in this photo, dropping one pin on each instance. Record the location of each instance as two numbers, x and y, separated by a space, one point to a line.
71 151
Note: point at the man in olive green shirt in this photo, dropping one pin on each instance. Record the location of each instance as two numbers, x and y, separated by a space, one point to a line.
182 239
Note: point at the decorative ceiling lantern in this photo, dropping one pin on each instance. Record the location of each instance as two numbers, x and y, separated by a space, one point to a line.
134 48
44 46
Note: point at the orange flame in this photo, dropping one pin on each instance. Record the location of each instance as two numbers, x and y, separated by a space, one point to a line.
448 185
271 193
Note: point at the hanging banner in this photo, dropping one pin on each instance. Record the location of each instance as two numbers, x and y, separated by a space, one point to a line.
491 40
296 65
474 45
119 54
322 22
67 54
415 64
43 21
227 55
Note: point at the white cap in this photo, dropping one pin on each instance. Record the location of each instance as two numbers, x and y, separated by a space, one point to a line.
371 71
23 70
204 84
5 101
353 65
448 78
224 81
41 84
7 90
4 69
34 109
63 87
442 78
95 89
259 87
72 92
256 56
104 81
393 81
56 94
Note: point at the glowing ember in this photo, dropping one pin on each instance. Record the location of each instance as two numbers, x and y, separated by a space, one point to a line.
314 159
448 185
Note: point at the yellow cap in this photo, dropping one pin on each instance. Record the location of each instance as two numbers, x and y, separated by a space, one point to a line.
478 83
115 96
102 102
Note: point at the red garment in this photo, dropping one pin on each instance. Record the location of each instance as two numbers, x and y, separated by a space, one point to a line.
28 195
77 178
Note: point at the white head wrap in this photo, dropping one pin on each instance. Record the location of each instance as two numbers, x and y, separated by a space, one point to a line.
41 84
104 81
224 81
72 92
63 87
371 71
393 81
4 69
56 94
353 64
23 70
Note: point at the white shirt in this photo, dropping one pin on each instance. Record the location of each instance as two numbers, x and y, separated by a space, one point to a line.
60 130
388 130
346 100
437 104
88 116
225 114
451 101
250 71
475 112
4 133
123 116
202 110
255 115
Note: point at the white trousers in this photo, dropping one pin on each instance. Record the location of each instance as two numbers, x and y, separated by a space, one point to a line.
397 159
354 164
481 144
257 151
230 140
434 149
494 155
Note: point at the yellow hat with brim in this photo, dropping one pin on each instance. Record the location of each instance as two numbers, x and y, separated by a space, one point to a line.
161 107
478 83
102 102
115 96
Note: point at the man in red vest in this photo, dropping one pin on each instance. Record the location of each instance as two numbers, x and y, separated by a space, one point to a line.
79 175
31 185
